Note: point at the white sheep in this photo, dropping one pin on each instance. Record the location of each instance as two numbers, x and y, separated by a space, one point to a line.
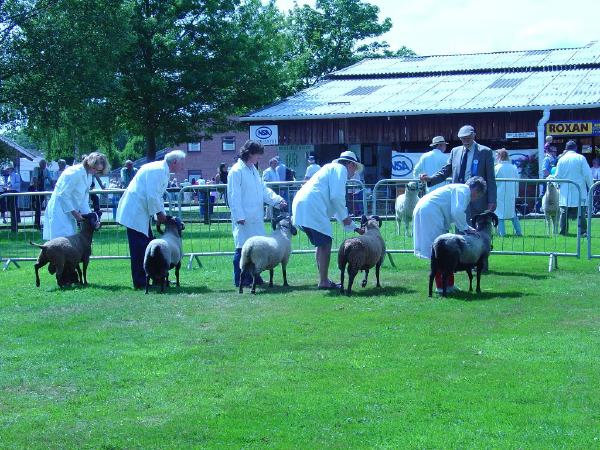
454 252
405 205
266 252
362 253
551 208
164 253
65 253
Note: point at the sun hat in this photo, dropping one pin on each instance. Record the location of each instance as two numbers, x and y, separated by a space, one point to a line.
466 130
350 156
438 140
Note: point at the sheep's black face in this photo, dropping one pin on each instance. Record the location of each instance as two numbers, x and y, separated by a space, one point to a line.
287 224
93 220
486 218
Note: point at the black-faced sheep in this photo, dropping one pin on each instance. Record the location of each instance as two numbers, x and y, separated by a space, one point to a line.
65 253
405 205
266 252
362 253
164 253
551 208
455 252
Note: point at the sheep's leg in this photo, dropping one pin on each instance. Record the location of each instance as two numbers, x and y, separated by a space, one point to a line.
397 226
177 267
271 277
364 282
445 276
59 275
432 273
479 270
147 283
79 275
85 266
41 262
342 273
254 278
377 267
284 272
470 274
351 275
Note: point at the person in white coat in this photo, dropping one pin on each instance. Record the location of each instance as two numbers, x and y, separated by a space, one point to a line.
142 199
507 192
319 199
270 174
573 166
432 162
247 195
439 209
71 196
312 168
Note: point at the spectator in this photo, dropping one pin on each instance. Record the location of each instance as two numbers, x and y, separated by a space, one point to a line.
467 160
432 162
40 182
439 209
548 164
596 177
12 185
221 177
270 174
142 199
507 192
321 197
114 198
573 166
3 189
70 198
62 165
247 194
281 169
127 173
312 168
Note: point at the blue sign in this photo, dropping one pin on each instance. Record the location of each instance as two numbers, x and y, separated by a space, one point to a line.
264 133
402 166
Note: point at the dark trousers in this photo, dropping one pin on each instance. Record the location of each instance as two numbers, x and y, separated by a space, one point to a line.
37 203
137 248
237 272
567 213
12 204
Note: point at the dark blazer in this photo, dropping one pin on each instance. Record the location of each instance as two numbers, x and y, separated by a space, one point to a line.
485 169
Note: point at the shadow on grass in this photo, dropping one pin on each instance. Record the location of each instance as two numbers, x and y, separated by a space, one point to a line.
172 290
484 296
532 276
372 291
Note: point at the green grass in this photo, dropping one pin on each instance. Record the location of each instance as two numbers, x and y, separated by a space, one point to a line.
203 367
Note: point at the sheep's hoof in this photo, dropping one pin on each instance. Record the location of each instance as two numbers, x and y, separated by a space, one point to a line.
271 285
253 291
363 283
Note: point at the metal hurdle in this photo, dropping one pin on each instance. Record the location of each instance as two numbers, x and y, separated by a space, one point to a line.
593 207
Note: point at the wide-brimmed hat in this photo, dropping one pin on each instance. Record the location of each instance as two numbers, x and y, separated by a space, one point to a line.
466 130
350 156
438 140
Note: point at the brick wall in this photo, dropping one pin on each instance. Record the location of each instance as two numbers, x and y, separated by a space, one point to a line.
211 154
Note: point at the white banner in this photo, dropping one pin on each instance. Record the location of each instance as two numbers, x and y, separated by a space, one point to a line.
265 134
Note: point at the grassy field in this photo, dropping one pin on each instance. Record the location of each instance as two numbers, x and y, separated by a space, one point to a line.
203 367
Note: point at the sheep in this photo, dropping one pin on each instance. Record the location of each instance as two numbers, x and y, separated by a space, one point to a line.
164 253
266 252
454 252
550 208
405 205
362 253
65 253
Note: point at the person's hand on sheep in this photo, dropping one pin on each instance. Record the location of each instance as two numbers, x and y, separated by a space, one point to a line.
424 178
161 217
77 215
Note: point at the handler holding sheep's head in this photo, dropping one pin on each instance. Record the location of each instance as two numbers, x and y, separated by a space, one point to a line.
142 199
247 195
320 198
71 196
439 209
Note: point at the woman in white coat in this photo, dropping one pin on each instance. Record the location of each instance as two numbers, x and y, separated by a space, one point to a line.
507 192
247 195
70 198
439 209
143 198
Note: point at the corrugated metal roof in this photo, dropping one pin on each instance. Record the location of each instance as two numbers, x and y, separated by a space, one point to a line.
511 81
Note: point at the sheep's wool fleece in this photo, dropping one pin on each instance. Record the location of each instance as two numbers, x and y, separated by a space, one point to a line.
573 166
246 195
435 212
507 190
144 196
71 193
431 163
322 197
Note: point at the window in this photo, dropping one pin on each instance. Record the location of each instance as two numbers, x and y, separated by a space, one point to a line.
228 144
193 147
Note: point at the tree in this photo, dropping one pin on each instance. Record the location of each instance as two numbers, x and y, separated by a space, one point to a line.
327 38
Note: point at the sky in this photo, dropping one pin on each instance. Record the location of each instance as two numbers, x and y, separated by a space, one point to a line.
440 27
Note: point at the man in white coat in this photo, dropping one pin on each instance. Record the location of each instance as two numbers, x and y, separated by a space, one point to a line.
312 168
142 199
507 192
319 199
432 162
247 195
439 209
71 196
573 166
270 174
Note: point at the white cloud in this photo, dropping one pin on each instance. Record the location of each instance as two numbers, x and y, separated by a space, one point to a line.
432 27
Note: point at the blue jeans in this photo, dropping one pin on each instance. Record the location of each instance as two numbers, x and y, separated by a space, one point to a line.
137 248
516 225
237 272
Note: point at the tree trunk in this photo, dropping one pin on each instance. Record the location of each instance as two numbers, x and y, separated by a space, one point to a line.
150 144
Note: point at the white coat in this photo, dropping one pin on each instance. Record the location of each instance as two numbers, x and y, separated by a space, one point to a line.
71 193
311 170
507 190
322 197
573 166
247 194
270 175
435 212
431 163
144 196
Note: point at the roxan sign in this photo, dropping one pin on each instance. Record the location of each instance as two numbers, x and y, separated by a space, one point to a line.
573 128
